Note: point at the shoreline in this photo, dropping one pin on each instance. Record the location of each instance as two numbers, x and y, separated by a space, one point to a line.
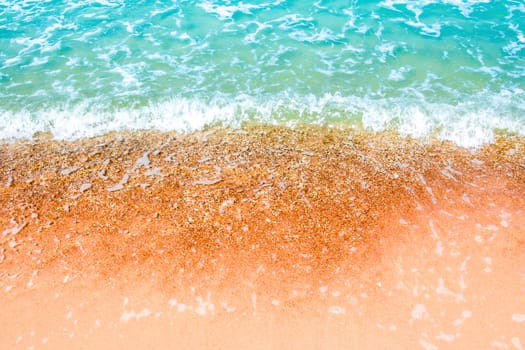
251 226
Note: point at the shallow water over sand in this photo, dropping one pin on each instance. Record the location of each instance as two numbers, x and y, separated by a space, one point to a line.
262 238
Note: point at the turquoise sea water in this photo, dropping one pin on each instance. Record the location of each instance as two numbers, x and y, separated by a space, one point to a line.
450 68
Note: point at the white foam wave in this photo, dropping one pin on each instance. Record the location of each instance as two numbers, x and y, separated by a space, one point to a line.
470 124
226 12
466 7
80 121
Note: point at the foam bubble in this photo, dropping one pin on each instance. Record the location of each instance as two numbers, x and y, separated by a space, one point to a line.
133 315
519 318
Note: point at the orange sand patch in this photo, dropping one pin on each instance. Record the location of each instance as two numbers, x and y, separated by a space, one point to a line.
261 238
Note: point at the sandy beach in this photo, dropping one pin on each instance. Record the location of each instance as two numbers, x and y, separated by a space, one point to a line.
263 238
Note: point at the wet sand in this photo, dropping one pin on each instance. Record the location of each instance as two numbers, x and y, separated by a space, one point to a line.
265 237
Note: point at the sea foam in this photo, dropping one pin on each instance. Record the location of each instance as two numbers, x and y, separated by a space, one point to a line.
469 124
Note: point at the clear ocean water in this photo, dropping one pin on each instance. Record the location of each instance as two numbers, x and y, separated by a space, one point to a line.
454 69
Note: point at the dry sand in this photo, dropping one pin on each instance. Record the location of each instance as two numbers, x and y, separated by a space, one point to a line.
261 238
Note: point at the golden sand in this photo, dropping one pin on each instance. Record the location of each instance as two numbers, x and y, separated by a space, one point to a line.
264 237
